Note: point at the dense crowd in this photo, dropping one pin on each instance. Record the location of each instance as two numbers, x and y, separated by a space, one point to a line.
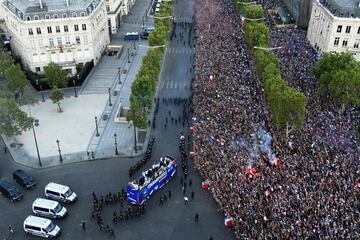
312 193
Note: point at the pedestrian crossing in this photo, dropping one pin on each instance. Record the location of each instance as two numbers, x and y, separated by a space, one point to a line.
172 50
172 84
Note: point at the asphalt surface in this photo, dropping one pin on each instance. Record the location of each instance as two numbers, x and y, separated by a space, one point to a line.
172 220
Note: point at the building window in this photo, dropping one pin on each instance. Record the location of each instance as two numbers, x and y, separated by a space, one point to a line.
348 29
37 69
86 41
76 27
336 42
84 27
30 31
64 15
339 28
56 16
345 42
49 29
38 30
28 18
57 29
77 39
51 42
107 8
32 43
40 43
82 14
66 28
47 16
36 17
359 30
59 41
356 44
74 14
67 40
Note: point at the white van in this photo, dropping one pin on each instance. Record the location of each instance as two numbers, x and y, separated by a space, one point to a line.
158 5
41 227
157 10
59 192
48 208
159 1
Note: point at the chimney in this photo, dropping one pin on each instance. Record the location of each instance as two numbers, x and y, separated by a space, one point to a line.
41 5
67 2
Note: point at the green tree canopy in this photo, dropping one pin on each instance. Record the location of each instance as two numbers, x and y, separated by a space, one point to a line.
16 78
13 121
55 75
338 75
5 61
345 86
264 59
254 11
56 96
257 34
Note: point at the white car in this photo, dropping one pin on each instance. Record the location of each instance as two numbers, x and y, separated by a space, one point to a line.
41 227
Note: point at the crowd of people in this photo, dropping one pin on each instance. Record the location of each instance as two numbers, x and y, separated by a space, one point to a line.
314 190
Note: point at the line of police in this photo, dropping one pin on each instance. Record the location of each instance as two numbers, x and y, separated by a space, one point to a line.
142 162
123 215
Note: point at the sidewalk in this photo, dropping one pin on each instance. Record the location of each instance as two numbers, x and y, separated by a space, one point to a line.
75 127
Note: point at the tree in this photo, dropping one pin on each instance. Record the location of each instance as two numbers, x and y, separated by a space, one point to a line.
13 121
5 61
55 75
257 34
56 96
252 11
345 87
137 113
271 70
16 79
264 59
290 110
338 76
27 96
328 65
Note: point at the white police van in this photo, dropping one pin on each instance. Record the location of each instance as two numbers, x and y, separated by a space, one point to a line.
59 192
48 208
41 227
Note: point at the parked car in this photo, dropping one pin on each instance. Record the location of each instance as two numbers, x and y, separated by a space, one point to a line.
48 208
131 36
10 191
60 192
24 179
41 227
145 33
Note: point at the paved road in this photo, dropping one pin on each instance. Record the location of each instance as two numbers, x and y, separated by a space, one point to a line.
173 220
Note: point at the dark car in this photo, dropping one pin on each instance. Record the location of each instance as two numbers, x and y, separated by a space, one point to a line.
10 190
24 179
145 33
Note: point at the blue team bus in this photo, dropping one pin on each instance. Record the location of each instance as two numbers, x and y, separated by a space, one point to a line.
140 189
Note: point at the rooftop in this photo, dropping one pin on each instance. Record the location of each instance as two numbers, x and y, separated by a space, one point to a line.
26 8
343 8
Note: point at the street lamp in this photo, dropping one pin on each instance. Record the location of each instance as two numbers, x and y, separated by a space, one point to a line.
109 90
134 44
97 129
36 144
41 89
74 82
128 54
58 144
116 149
119 72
